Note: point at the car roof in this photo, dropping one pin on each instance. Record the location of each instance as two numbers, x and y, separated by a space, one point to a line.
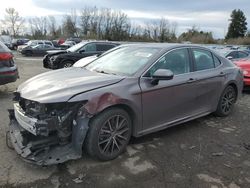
166 45
3 47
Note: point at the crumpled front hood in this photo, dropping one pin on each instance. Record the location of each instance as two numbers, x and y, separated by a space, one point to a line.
61 85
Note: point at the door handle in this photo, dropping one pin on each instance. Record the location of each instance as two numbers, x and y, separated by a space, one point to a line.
191 80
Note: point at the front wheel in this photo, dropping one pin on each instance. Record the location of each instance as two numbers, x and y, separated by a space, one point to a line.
226 103
67 64
109 134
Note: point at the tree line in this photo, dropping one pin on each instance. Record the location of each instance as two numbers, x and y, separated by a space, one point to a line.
108 24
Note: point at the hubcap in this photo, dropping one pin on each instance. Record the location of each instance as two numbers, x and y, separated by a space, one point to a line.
66 65
227 101
113 135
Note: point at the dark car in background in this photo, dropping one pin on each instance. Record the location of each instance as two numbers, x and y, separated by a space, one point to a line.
133 90
38 50
75 39
57 59
67 44
8 68
18 42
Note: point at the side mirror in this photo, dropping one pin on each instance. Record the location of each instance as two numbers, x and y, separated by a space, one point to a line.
82 51
162 74
230 57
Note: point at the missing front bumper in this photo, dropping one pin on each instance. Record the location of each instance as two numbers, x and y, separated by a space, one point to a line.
46 150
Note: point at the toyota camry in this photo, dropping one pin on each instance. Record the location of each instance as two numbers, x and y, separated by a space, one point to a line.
132 90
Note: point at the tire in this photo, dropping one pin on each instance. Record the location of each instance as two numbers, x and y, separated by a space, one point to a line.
66 64
106 139
226 102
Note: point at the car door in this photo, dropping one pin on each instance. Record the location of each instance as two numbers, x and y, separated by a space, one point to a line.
209 77
37 49
171 100
45 48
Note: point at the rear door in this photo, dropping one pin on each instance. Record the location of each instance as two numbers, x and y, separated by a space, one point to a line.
209 78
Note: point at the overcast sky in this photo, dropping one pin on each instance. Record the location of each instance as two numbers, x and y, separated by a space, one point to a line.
209 15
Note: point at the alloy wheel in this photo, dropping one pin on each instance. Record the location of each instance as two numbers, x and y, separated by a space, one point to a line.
67 65
113 135
228 100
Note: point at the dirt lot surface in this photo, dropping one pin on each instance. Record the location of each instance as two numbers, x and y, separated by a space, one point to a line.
209 152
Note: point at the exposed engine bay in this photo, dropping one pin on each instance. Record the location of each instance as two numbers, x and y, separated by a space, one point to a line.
47 134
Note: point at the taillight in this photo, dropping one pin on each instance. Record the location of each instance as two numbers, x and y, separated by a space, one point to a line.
6 56
6 59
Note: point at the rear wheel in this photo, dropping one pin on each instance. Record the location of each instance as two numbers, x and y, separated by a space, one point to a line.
109 134
226 103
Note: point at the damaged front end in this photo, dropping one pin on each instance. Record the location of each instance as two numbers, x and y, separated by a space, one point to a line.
47 134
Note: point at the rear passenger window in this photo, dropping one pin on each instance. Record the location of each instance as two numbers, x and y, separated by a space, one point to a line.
203 59
104 47
216 61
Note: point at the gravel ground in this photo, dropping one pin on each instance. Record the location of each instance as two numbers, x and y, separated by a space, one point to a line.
209 152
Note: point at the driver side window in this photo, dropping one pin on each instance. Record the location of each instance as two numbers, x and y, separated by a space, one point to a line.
177 61
90 47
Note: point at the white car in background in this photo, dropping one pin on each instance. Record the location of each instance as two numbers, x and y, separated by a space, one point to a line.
84 61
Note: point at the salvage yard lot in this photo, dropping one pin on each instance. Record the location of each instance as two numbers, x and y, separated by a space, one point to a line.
207 152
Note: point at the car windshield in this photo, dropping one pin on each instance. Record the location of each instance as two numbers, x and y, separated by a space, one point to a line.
123 61
76 47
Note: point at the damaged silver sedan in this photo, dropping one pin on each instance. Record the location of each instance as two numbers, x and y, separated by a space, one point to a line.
132 90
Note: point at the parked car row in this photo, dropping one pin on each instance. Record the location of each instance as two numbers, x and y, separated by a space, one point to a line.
57 59
32 43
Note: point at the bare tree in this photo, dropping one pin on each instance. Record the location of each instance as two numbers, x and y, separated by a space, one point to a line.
69 26
39 27
164 30
85 20
13 21
54 30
